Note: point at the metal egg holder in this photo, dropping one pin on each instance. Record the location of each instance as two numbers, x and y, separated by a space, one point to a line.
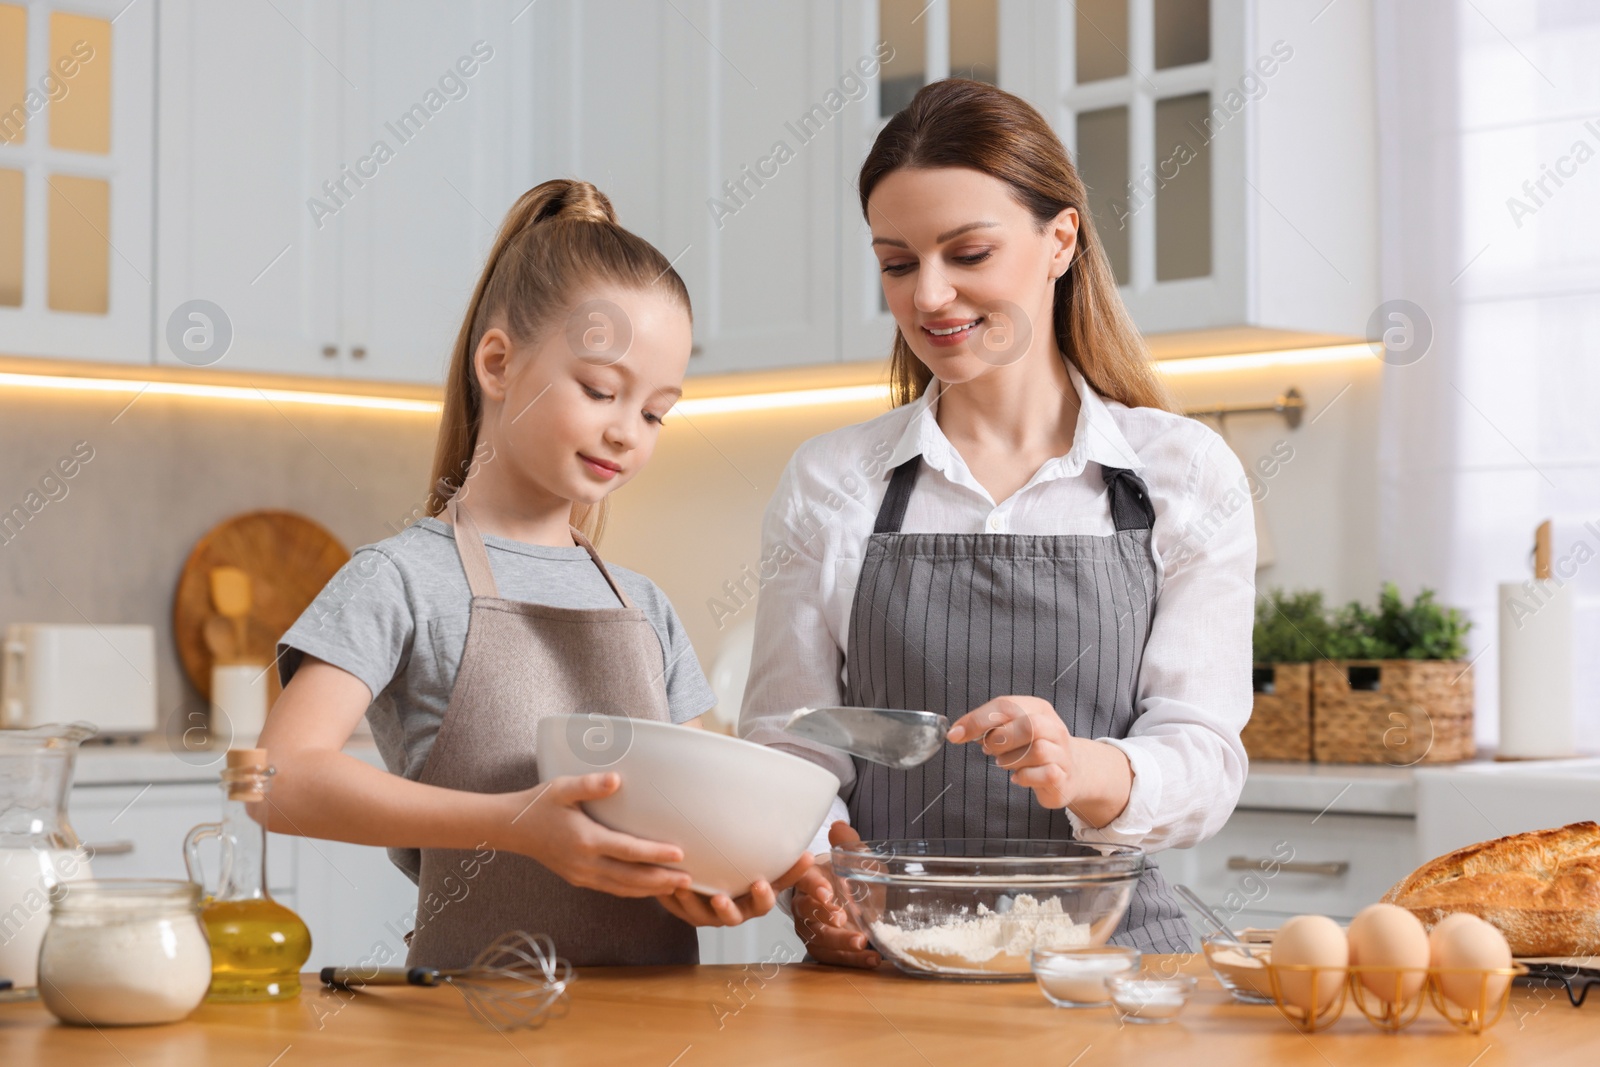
1393 1014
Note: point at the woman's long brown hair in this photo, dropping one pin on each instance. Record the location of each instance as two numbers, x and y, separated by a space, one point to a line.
962 123
560 238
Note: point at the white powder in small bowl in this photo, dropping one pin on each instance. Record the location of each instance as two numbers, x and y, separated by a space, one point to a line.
985 940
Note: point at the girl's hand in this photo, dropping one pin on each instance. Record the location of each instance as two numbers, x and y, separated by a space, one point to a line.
1026 737
820 919
697 909
548 825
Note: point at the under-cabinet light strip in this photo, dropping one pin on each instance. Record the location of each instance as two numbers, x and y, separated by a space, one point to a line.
217 392
712 405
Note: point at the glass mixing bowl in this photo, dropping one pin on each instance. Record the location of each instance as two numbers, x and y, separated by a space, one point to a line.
975 909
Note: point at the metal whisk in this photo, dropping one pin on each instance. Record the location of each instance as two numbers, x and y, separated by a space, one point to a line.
517 983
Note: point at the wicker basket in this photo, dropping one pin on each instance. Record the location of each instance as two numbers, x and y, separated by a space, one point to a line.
1394 711
1280 720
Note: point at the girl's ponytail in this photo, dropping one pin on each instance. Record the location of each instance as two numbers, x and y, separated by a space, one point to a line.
560 237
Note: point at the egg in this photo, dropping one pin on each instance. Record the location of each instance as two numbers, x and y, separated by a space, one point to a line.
1312 941
1384 935
1466 941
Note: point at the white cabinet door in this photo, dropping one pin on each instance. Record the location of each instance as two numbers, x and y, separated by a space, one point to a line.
249 116
767 940
356 903
714 129
896 47
75 173
135 831
1212 138
764 189
1264 866
332 177
435 134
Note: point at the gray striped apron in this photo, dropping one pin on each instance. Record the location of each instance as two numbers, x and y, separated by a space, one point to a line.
946 622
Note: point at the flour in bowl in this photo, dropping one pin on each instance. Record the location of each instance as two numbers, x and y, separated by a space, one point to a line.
986 940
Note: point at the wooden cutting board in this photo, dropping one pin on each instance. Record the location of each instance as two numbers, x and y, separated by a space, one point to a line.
288 557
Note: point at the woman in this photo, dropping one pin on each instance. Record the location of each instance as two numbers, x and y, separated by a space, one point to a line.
1031 542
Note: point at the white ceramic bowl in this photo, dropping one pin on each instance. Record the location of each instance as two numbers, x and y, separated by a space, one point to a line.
740 811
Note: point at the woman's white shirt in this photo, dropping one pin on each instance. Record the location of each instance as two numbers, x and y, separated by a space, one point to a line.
1194 692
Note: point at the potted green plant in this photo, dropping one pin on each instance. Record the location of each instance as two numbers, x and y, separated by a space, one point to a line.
1392 687
1291 631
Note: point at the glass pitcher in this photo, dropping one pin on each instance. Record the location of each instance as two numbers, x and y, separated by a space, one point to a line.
38 847
257 945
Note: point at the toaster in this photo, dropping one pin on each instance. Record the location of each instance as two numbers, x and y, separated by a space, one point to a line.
55 672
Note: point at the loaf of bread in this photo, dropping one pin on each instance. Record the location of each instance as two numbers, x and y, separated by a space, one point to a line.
1541 889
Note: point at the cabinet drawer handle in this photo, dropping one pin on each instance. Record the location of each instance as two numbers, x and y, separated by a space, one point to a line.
110 848
358 352
329 351
1333 869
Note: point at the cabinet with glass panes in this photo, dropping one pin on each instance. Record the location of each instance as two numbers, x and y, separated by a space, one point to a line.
75 180
1229 148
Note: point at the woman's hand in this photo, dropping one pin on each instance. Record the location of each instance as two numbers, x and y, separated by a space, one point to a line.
820 919
697 909
548 825
1026 737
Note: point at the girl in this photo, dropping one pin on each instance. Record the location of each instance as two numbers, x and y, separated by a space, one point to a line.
1049 555
456 636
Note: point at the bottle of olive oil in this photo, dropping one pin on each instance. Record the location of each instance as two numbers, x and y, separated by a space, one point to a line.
257 945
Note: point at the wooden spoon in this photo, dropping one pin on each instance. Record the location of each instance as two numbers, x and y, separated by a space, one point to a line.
219 638
230 595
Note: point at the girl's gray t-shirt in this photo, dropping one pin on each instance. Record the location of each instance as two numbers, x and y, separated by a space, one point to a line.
395 616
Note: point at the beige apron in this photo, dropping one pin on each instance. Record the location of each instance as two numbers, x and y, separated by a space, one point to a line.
521 662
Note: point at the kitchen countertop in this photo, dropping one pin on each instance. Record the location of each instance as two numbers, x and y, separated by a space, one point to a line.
1349 788
151 761
791 1014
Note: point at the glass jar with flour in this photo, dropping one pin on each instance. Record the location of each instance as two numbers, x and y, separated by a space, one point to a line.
124 952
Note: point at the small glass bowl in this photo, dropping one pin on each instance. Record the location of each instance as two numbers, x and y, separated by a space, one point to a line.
1244 977
1076 977
1150 998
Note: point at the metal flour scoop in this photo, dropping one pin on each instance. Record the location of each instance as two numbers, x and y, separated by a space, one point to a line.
894 738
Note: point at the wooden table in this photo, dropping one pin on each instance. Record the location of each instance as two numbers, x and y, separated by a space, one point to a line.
793 1014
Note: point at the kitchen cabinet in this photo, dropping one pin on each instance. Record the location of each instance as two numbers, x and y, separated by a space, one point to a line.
1460 804
766 940
137 831
246 136
1305 838
715 131
75 179
1266 866
133 809
447 87
332 177
1229 148
730 136
327 179
980 39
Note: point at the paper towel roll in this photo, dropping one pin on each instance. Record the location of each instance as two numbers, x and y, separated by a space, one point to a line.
239 700
1535 670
